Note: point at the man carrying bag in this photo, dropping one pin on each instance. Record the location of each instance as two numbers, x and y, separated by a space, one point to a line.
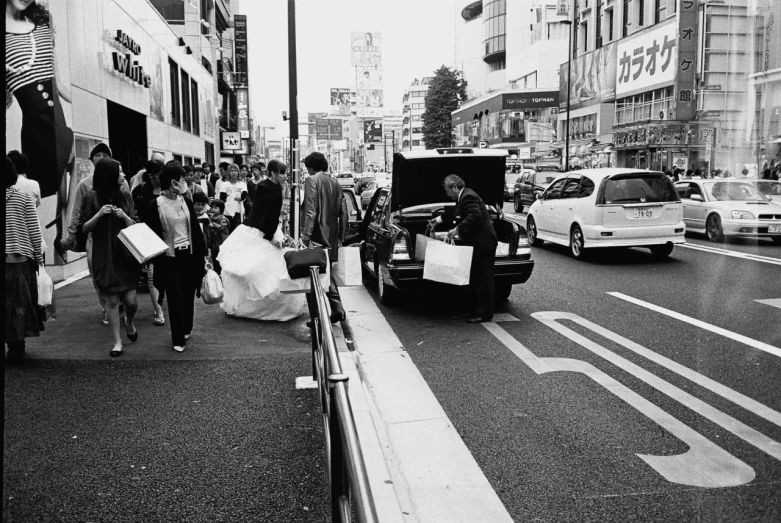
471 223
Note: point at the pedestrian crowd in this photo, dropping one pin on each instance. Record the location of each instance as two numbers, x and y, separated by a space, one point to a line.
194 209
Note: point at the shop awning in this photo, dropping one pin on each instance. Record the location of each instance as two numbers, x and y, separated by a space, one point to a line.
601 148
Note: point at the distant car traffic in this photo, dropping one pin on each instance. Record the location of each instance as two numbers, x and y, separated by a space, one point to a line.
730 207
366 195
770 188
531 183
608 208
346 179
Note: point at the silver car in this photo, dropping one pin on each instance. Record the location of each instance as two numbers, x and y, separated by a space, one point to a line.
722 208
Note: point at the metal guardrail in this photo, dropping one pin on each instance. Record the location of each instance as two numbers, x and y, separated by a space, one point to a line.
346 469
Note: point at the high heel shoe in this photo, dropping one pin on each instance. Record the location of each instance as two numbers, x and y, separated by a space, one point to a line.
132 337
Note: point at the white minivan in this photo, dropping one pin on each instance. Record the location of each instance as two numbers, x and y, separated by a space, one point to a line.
611 207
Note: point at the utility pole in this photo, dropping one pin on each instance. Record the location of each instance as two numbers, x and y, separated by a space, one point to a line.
293 89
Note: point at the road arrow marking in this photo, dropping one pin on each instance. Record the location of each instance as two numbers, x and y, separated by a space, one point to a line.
705 464
727 422
733 254
770 349
773 303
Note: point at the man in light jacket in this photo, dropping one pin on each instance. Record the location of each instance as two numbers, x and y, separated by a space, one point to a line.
324 220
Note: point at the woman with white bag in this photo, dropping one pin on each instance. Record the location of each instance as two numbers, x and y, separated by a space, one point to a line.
252 258
23 256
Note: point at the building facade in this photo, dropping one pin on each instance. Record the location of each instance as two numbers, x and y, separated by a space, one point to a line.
414 107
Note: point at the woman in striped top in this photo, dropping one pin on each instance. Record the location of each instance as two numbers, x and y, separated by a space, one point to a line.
23 318
30 78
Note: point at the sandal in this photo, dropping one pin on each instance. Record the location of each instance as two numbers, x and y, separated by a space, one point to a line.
159 321
132 337
115 352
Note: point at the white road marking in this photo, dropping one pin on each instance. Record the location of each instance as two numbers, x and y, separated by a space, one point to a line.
741 430
733 254
766 347
71 279
705 464
773 303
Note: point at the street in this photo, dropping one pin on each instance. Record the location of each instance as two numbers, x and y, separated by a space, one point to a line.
590 398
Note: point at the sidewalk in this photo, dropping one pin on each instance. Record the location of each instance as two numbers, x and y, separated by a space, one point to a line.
217 433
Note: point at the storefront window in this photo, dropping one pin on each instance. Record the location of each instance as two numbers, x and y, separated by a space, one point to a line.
653 105
175 101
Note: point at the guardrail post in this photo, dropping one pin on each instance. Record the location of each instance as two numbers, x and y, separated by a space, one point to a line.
340 481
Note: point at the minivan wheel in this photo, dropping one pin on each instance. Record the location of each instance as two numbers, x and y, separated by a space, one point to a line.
531 231
662 251
714 229
577 243
517 205
383 291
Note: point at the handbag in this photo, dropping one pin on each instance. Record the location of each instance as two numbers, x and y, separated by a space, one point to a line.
45 288
289 285
212 290
298 262
448 263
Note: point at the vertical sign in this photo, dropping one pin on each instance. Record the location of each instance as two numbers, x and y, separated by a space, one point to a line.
562 8
240 44
687 51
242 106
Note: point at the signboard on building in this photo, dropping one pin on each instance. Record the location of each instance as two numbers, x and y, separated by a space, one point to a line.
523 101
231 141
340 96
242 106
593 78
372 131
328 128
274 149
240 46
687 56
366 49
648 60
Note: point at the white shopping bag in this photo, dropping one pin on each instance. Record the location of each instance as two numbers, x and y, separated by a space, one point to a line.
142 242
287 285
211 289
502 249
45 288
447 263
347 270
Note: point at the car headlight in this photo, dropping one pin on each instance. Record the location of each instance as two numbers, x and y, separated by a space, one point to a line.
742 215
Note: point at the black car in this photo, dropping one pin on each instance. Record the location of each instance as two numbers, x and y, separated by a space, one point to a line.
530 184
398 213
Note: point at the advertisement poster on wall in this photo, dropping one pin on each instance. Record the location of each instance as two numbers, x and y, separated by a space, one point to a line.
681 161
340 96
372 131
38 114
366 49
156 109
593 78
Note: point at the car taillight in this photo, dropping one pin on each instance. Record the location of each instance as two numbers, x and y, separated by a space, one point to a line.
400 248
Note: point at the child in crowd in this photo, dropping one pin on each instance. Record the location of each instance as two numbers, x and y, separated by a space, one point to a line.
219 230
201 206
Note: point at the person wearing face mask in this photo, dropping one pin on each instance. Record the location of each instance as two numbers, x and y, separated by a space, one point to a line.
233 192
179 271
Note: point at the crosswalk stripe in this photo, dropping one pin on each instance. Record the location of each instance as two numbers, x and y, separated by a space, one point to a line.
773 303
766 347
733 254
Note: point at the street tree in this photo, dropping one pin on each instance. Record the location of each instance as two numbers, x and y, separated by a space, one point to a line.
445 93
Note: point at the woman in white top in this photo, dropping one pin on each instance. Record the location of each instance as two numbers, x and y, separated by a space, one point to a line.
233 192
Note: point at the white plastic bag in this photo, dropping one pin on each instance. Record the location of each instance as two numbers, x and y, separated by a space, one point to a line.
347 270
447 263
502 249
211 289
45 288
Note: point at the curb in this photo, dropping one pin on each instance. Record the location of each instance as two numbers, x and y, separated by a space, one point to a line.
433 475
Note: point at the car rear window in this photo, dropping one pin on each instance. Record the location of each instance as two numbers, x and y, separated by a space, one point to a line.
638 188
733 191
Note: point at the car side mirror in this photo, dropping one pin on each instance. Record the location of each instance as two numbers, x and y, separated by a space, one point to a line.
696 198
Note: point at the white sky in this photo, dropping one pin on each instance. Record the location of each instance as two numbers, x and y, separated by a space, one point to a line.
417 38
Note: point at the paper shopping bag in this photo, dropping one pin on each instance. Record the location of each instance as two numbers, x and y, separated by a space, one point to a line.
502 249
347 270
288 285
421 242
142 242
447 263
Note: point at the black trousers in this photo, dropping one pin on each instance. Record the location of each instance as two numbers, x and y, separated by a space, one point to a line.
180 291
334 299
481 280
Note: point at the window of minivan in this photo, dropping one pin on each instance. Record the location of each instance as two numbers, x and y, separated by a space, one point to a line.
642 187
554 191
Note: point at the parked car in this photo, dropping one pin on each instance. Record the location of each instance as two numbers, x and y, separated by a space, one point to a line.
770 188
398 213
510 178
346 179
366 195
362 182
608 208
530 184
730 207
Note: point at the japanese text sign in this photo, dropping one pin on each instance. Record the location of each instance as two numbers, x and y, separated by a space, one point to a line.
648 60
240 46
687 54
231 141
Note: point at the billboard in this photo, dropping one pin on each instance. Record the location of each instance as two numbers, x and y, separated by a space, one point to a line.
366 49
372 131
369 98
242 106
240 46
328 129
593 78
340 96
687 56
368 78
648 60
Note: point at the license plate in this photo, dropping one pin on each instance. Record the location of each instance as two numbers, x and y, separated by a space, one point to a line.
774 228
644 212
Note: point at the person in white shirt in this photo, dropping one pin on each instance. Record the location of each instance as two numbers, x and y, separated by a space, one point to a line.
233 192
23 183
138 178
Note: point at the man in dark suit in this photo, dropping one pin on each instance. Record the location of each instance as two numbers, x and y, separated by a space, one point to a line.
324 220
267 201
471 223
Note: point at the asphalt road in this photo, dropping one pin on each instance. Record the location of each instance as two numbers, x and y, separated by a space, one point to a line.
562 440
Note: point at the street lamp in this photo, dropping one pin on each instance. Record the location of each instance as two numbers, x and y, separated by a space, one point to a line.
569 78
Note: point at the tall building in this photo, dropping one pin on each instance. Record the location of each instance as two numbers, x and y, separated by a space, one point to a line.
764 119
414 107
